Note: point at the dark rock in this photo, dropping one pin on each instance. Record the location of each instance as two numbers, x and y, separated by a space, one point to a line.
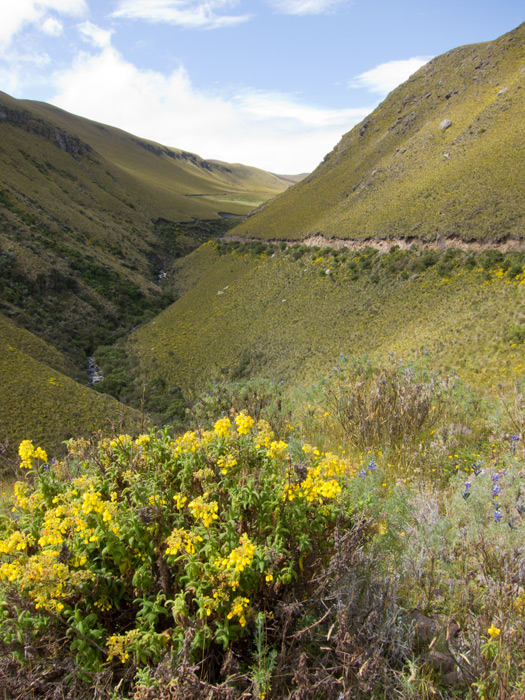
425 628
451 679
444 663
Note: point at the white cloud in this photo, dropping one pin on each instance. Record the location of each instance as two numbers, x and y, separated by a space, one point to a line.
273 131
20 68
16 15
306 7
386 76
277 106
52 26
192 14
95 35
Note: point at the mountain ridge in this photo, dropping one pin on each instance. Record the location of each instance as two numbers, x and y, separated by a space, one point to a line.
442 156
90 217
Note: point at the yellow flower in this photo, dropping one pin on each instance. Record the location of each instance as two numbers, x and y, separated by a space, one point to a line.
277 450
226 463
203 510
493 631
28 452
244 423
222 427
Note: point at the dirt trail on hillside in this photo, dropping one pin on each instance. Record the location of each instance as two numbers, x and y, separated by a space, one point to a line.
385 244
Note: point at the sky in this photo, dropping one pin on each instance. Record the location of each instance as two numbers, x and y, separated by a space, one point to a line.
268 83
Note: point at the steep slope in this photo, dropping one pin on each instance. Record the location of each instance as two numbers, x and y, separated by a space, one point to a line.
38 401
167 179
289 313
90 215
442 156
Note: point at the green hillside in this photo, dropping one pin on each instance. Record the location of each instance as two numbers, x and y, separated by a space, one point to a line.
442 157
90 215
38 401
287 313
330 502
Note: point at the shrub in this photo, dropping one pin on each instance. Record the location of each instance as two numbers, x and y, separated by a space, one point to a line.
386 404
132 550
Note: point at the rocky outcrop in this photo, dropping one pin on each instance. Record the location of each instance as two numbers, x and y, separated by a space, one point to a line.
26 121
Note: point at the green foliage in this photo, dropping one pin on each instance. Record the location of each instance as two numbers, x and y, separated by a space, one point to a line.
230 557
259 397
515 334
128 546
276 317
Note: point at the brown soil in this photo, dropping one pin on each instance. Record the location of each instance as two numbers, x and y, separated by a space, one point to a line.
385 244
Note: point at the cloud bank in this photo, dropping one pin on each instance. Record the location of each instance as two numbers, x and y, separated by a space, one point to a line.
18 14
274 131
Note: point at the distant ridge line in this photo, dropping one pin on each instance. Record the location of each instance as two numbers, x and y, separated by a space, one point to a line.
385 244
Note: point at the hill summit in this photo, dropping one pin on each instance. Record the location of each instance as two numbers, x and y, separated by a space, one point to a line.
443 156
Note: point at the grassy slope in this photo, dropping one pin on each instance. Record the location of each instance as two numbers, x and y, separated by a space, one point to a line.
39 402
168 179
399 174
91 213
289 319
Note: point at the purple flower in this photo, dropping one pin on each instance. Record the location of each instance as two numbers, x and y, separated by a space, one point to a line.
372 465
496 489
497 516
515 438
468 484
495 476
362 473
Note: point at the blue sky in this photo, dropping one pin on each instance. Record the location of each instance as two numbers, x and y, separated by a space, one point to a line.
270 83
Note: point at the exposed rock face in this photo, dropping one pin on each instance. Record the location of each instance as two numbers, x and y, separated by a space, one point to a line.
445 124
182 155
24 120
67 143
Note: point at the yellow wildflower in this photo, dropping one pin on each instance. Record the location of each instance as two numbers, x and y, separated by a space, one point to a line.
202 510
244 423
222 427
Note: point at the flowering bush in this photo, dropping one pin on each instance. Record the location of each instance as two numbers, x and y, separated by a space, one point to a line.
130 545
